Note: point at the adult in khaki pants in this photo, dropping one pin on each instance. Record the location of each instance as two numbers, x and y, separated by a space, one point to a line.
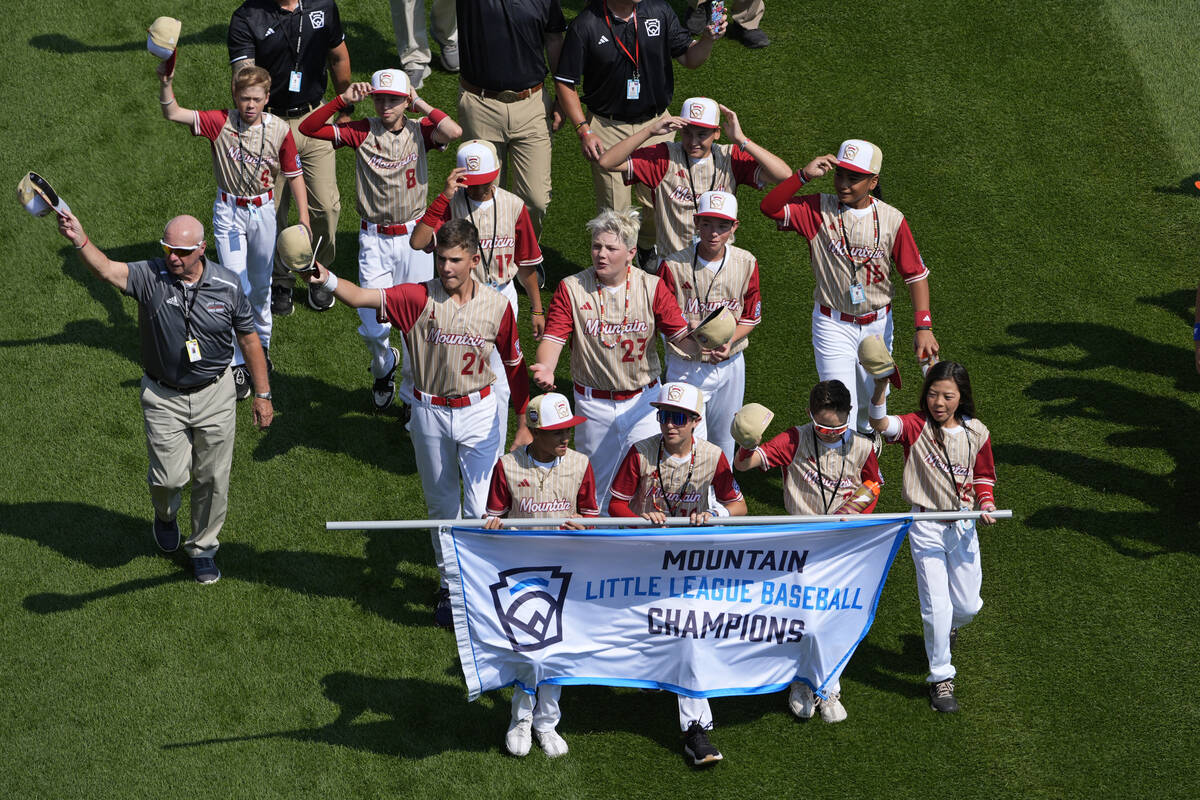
190 311
504 48
620 53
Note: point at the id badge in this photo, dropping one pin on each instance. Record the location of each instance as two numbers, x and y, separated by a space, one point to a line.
193 350
294 81
633 89
858 295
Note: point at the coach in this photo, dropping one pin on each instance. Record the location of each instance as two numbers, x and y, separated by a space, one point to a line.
621 51
502 101
294 40
189 311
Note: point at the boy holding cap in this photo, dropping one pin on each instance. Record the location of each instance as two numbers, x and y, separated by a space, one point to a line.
827 469
679 172
250 149
544 479
508 246
671 474
706 276
391 173
854 240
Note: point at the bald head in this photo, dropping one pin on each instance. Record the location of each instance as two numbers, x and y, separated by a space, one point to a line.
184 231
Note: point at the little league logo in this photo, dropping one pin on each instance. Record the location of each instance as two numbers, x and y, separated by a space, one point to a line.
716 201
385 80
851 150
652 27
473 163
696 112
529 605
674 393
563 411
317 18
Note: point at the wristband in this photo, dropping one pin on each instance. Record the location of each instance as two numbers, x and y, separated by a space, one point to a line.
437 209
922 320
1196 332
436 116
86 241
263 395
584 132
538 313
166 102
800 174
330 283
744 143
878 411
579 125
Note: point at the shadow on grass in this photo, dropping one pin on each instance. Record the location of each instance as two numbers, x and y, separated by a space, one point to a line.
1154 422
58 43
1185 186
901 673
423 719
107 540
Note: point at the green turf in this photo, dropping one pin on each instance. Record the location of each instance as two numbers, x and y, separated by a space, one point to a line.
1044 155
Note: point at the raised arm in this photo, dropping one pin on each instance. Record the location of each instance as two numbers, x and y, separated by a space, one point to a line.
700 49
774 168
171 110
445 129
115 273
616 158
348 292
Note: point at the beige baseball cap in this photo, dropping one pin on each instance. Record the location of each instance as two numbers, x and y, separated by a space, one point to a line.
717 329
701 112
721 205
859 155
551 412
683 396
38 196
390 81
478 158
295 248
163 36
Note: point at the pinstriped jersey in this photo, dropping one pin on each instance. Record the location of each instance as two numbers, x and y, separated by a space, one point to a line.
504 242
247 160
614 351
673 176
650 480
521 489
843 468
927 477
391 173
700 290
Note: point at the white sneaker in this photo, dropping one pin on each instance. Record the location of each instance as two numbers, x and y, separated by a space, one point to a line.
832 709
801 701
553 744
517 740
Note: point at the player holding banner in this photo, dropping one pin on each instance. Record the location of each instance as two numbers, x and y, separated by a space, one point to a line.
854 241
250 148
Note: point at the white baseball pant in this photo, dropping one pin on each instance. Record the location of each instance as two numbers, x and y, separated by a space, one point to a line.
542 711
949 576
453 447
694 709
835 350
385 261
245 239
723 387
500 385
612 427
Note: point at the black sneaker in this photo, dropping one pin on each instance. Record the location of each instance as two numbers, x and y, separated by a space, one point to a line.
383 391
319 299
205 570
241 381
166 535
941 697
443 617
281 301
697 18
697 747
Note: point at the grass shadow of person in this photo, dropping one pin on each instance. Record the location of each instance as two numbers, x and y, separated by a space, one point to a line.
65 45
1189 185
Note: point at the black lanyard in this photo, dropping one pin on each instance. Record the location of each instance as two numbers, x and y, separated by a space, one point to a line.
662 487
262 145
487 257
854 265
187 307
711 184
825 504
940 439
299 34
696 278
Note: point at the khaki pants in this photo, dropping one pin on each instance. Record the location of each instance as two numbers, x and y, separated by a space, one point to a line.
319 163
520 132
747 13
191 435
412 43
611 191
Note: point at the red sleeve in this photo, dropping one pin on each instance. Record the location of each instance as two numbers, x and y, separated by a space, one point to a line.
428 126
402 304
667 316
752 301
724 484
509 345
666 276
499 500
647 165
745 168
780 451
209 123
526 249
350 134
906 256
289 157
870 470
625 485
585 500
984 480
560 320
800 214
910 429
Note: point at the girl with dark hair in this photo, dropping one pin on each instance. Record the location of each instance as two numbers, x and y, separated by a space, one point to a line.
948 466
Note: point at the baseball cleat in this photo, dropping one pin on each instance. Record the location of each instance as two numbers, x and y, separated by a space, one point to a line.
281 301
383 391
941 697
698 748
801 701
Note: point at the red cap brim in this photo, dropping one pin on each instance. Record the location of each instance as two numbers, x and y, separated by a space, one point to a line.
566 423
480 178
894 378
716 215
854 168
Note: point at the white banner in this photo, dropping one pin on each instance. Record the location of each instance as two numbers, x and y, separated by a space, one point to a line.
703 612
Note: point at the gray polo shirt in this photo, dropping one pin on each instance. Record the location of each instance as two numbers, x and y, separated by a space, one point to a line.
216 307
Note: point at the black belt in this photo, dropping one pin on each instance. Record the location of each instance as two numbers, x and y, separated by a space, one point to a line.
294 111
633 120
184 389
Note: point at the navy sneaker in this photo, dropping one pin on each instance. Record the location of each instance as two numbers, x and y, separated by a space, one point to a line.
698 748
941 697
205 570
166 535
443 617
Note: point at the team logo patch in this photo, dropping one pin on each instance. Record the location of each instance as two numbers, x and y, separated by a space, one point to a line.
317 18
385 80
473 163
533 415
652 27
851 150
562 410
696 112
215 307
529 604
716 201
674 393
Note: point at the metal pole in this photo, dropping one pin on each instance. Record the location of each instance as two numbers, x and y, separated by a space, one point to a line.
639 522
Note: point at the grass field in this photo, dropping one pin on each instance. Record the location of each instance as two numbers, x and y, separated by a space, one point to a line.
1044 154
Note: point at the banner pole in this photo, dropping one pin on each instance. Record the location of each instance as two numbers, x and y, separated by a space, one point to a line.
639 522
